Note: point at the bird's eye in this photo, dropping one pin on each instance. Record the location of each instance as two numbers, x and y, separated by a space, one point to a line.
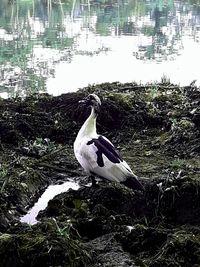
92 98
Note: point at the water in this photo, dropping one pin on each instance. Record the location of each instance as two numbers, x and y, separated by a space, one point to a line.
62 45
42 202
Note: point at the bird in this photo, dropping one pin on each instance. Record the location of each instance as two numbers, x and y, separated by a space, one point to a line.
97 155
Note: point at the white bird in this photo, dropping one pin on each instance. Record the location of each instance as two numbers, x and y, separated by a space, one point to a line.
97 155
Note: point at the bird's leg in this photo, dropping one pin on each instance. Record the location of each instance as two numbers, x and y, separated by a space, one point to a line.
94 182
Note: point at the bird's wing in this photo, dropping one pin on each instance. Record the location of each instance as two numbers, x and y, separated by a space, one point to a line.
108 162
106 148
105 142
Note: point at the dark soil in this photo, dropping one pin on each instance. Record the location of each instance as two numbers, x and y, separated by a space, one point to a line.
156 128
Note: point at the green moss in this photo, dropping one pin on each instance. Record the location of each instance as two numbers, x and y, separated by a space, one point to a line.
125 100
181 249
43 246
5 238
186 124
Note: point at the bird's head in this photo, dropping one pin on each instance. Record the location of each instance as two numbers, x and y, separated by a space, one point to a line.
92 100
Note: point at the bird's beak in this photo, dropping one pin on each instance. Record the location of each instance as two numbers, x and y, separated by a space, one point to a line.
83 101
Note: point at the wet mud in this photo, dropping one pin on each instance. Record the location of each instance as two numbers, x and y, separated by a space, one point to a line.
157 129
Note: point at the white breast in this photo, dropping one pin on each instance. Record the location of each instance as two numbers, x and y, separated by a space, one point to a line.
86 155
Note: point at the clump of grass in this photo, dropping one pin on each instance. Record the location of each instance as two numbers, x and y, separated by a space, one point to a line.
65 230
46 244
165 79
3 176
39 147
178 163
123 99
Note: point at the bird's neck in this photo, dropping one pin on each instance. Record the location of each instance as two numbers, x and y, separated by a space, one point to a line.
89 127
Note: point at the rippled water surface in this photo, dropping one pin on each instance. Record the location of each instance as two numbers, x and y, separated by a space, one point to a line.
62 45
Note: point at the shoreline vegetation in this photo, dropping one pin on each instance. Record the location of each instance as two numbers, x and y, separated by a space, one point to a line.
157 129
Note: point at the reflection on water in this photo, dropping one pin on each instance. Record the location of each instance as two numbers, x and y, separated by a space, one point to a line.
60 45
42 203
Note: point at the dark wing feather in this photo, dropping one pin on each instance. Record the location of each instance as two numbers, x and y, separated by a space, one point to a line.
105 148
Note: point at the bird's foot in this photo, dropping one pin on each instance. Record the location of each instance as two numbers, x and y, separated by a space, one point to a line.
94 182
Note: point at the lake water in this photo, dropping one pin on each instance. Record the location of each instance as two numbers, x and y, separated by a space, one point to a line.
42 202
62 45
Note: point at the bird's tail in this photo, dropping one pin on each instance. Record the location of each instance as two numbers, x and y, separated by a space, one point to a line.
133 183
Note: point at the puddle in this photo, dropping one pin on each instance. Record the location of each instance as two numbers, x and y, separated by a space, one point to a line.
42 202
